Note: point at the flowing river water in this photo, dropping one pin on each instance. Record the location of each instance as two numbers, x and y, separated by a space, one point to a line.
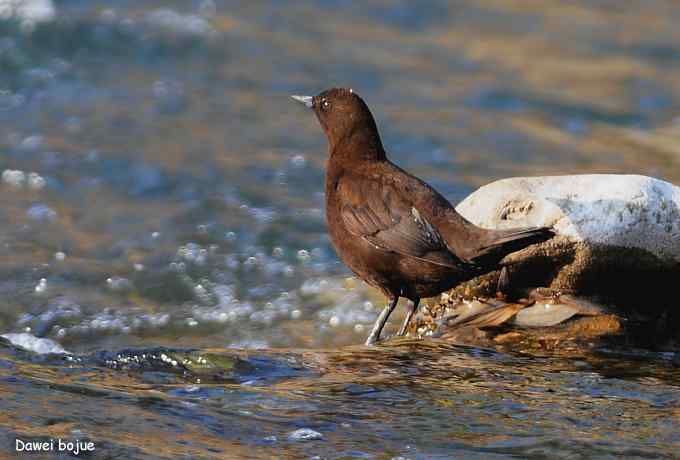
161 221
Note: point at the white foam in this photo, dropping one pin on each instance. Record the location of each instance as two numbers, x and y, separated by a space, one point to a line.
35 344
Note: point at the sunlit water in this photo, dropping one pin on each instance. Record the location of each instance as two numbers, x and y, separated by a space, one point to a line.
160 189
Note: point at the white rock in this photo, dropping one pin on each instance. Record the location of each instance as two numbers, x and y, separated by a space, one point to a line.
619 210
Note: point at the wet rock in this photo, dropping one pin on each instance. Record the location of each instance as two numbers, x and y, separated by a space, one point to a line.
617 244
618 237
571 333
484 321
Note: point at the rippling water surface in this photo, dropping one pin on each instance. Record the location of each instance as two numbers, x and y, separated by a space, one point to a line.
160 189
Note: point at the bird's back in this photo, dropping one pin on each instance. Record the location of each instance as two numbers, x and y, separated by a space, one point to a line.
386 199
378 231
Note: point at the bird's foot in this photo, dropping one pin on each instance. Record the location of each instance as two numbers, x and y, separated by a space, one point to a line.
371 340
503 283
407 320
374 336
378 340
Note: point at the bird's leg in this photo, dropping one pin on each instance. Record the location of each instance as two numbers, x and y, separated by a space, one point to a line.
409 315
503 282
374 336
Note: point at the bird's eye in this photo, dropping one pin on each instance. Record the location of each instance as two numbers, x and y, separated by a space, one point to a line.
325 104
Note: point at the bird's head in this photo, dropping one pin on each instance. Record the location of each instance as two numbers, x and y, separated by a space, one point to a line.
346 120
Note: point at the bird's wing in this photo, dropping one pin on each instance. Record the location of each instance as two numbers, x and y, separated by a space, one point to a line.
378 213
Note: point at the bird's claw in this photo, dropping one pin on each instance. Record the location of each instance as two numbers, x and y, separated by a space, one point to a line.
371 340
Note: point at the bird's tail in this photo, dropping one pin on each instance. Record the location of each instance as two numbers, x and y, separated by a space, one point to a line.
500 243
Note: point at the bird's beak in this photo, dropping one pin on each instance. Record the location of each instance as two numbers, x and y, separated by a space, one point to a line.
306 100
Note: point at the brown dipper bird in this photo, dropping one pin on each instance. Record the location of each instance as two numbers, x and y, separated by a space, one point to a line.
390 228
